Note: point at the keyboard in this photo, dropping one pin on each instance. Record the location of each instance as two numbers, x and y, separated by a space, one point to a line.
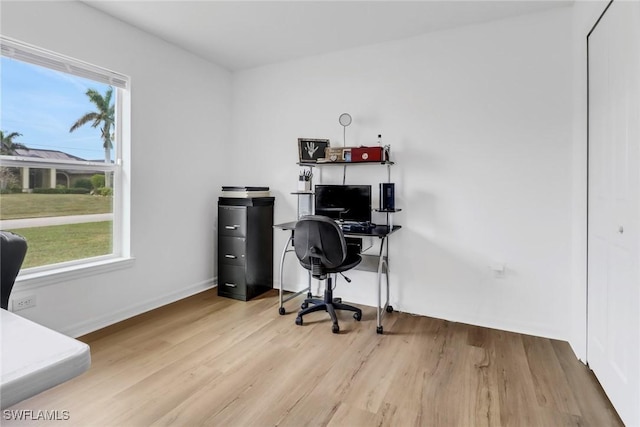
356 227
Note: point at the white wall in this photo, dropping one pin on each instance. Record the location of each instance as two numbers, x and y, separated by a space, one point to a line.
479 119
180 125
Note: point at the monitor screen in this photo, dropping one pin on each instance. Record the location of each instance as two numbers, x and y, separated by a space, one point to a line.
344 202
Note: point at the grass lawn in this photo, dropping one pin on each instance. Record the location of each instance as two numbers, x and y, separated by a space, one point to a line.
26 205
59 243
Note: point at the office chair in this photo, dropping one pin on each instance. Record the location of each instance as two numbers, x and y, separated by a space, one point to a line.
321 248
13 248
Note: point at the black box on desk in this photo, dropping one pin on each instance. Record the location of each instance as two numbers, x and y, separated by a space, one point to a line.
387 196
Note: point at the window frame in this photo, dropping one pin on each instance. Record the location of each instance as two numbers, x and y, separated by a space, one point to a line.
120 257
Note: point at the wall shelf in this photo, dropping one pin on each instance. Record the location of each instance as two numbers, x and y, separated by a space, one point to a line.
314 164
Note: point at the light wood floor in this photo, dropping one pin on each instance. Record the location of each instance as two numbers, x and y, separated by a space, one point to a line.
213 361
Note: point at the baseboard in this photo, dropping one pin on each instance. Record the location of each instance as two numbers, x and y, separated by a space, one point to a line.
92 325
525 328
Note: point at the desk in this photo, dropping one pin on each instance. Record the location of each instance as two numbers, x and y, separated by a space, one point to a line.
36 358
382 232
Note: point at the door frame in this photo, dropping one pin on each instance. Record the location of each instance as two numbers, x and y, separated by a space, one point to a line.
588 175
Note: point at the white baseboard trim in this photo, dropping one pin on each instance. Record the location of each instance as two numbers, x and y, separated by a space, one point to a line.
100 322
526 328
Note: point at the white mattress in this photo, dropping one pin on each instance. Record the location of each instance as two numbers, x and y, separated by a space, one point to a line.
35 358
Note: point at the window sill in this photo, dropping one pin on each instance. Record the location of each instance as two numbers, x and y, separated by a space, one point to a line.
39 279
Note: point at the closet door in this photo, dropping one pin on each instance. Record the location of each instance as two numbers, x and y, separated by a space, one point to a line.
613 336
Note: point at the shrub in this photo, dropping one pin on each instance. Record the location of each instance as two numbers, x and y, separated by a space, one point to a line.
97 181
105 191
83 183
10 190
63 190
9 180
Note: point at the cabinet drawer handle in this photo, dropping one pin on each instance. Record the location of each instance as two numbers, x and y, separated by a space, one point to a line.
230 256
231 227
231 285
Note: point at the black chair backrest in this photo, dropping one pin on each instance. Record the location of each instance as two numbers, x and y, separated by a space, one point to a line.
319 242
13 249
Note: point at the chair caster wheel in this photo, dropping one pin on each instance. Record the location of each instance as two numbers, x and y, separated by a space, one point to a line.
309 295
337 300
299 321
357 316
304 305
389 309
335 328
379 329
281 311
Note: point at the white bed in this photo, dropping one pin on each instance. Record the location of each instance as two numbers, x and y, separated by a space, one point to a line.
34 358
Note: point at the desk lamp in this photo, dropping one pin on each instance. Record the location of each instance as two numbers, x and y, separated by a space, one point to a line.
345 120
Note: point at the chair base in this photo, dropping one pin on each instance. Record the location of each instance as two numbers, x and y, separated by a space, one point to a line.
328 304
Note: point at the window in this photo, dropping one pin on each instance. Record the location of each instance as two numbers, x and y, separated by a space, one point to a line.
63 164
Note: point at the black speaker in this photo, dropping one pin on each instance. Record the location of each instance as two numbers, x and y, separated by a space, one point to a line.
387 196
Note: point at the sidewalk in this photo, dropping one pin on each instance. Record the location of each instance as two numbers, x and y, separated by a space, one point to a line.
11 224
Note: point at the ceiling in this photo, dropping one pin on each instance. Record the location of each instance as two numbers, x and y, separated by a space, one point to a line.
246 34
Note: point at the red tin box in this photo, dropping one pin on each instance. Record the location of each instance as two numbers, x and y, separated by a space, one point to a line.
366 154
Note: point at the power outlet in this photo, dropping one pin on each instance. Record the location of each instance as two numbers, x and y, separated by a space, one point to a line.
499 270
24 302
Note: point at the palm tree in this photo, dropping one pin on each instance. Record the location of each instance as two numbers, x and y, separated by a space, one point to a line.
8 146
104 116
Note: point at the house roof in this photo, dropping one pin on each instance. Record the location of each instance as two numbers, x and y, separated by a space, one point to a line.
45 154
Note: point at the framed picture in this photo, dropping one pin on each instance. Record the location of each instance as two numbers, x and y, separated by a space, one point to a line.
310 150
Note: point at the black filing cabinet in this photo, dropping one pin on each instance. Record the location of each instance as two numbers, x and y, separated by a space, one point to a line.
245 246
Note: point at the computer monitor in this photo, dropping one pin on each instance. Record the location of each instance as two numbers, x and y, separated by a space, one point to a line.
351 203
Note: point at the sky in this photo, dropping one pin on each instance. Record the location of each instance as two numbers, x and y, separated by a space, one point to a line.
43 104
